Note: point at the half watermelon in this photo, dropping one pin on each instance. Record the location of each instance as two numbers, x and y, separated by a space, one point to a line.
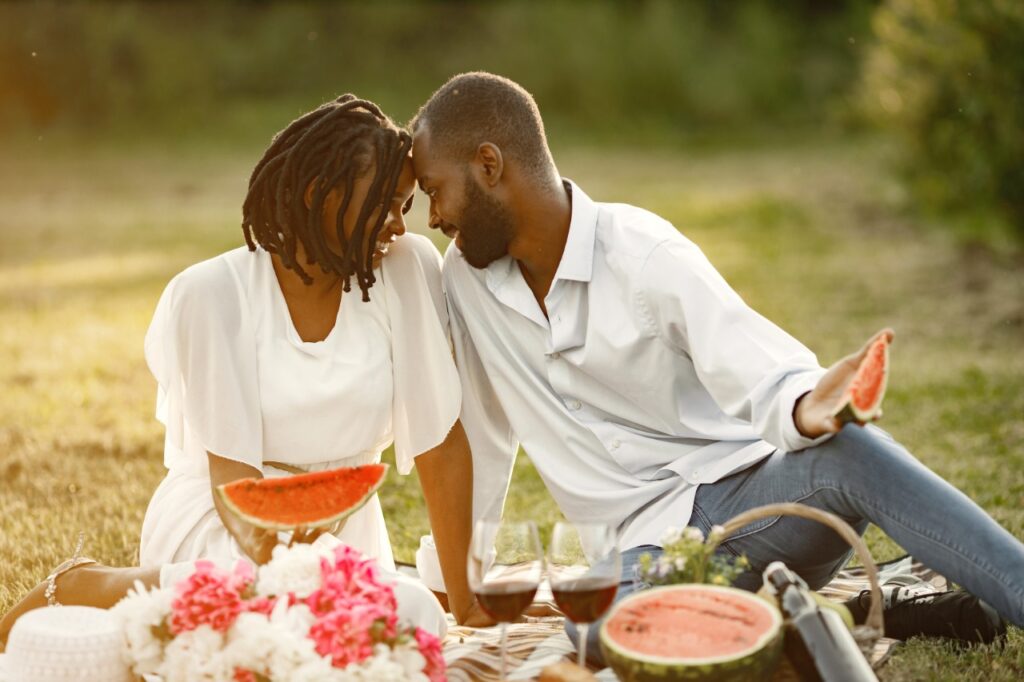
863 402
312 500
693 632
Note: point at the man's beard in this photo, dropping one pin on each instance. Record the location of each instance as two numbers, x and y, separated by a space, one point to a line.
485 226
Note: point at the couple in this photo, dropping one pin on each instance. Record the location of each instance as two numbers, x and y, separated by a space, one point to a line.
595 335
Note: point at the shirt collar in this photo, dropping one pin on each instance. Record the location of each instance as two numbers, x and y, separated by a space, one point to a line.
578 257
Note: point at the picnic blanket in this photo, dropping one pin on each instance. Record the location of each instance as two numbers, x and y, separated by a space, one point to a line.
473 654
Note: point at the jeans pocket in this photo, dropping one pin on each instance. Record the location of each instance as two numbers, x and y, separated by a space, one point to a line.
705 523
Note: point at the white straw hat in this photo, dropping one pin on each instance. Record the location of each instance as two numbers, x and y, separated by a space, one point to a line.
65 643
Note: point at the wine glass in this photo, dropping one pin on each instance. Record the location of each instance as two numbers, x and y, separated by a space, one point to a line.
504 566
584 567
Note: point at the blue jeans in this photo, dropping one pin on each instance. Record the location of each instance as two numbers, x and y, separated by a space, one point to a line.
863 476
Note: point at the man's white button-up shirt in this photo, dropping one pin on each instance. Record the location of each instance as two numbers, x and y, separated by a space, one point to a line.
648 377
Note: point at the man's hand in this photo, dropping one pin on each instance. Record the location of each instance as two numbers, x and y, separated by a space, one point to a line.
815 412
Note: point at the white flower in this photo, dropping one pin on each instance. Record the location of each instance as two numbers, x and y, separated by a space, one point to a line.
717 531
671 536
383 667
293 569
140 612
276 646
664 567
197 656
409 657
680 563
693 534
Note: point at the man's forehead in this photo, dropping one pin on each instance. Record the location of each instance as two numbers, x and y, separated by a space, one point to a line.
423 161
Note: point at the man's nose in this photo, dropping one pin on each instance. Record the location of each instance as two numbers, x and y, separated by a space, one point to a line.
435 221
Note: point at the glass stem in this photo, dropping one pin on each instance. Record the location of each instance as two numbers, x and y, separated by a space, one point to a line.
504 651
583 630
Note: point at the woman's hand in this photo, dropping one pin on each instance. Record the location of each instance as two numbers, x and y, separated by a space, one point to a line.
446 475
257 543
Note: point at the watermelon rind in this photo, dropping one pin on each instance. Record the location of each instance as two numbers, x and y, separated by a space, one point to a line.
269 524
757 664
849 412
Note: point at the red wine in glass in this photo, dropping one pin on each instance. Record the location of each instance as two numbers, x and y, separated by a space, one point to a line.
504 566
585 600
584 567
505 601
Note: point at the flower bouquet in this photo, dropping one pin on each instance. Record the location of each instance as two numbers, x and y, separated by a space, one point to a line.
688 558
310 614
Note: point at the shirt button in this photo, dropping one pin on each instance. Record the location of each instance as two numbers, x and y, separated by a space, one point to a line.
575 404
615 444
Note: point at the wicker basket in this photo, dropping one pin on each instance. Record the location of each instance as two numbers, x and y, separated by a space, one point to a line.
866 635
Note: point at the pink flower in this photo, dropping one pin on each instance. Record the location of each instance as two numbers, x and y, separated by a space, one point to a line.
209 596
242 675
262 605
349 579
430 648
347 634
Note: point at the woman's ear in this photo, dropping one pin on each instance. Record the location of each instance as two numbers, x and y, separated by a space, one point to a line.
491 163
308 196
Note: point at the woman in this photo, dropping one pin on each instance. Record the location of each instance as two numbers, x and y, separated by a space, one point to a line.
268 364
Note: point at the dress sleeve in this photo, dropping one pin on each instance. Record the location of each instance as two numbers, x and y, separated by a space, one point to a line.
752 369
427 397
201 348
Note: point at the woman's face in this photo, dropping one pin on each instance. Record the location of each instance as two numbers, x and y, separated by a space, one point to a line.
396 207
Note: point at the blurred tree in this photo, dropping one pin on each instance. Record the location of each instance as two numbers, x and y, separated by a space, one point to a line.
605 68
948 77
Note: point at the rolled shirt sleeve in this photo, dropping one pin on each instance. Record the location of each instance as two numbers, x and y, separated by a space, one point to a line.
752 369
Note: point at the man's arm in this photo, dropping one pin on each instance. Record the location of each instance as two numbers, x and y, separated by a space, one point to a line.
753 370
491 439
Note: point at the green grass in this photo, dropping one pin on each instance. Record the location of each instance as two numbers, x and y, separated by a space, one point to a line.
817 238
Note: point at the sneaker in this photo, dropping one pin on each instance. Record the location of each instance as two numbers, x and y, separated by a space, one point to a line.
915 608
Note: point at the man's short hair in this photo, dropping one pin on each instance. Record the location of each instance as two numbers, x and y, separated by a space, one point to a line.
477 107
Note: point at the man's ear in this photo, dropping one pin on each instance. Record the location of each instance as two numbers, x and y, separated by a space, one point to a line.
491 163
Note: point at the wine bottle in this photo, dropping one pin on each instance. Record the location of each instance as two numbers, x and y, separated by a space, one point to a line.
818 644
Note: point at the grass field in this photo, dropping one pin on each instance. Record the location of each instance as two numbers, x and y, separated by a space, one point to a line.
817 237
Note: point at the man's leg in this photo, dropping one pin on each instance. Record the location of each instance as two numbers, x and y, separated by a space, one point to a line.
863 475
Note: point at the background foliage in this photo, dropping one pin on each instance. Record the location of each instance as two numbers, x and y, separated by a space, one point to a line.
947 77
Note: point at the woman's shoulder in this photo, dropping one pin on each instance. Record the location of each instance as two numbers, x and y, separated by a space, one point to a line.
212 284
415 250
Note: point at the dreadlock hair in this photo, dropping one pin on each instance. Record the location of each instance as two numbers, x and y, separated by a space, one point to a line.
329 147
476 107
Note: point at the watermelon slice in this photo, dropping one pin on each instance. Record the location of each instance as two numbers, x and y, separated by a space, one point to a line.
864 395
693 632
312 500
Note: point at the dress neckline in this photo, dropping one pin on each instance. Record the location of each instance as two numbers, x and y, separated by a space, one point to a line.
292 333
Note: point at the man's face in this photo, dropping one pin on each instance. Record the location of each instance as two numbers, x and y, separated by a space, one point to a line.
480 224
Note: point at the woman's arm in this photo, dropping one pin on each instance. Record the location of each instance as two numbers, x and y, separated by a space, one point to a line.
446 475
257 543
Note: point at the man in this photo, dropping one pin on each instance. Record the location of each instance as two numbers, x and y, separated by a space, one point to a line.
645 391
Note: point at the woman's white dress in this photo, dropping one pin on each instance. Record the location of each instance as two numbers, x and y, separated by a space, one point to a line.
235 379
